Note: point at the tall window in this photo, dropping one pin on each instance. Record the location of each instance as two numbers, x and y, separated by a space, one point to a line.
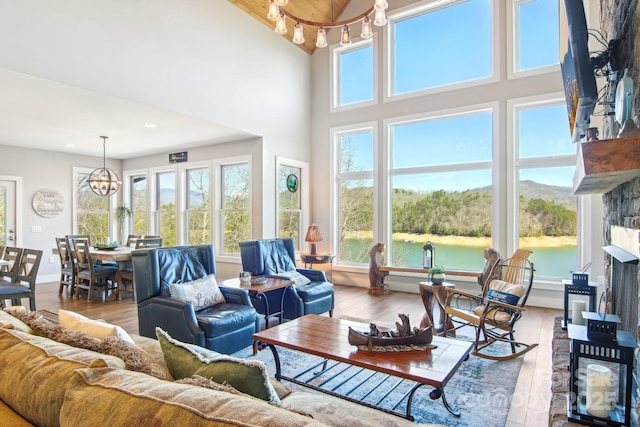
355 77
166 207
139 205
92 211
289 203
234 206
423 43
537 33
198 206
355 189
547 222
441 189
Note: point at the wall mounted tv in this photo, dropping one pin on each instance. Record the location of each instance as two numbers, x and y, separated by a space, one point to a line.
578 74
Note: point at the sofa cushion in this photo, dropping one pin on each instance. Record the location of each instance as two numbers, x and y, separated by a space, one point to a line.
95 328
134 399
315 291
7 319
34 372
247 376
10 418
202 292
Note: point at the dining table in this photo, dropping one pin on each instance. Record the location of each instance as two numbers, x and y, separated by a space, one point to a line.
119 254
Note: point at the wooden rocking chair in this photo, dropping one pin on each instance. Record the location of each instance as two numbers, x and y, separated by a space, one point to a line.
495 313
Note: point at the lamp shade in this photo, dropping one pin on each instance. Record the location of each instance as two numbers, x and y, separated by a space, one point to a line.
313 234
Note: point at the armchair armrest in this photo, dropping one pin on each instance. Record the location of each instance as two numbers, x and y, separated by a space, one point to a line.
174 316
236 295
457 294
313 275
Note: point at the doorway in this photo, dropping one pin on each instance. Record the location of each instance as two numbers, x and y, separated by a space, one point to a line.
10 188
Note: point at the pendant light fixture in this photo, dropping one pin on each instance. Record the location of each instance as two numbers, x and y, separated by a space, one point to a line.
277 13
103 181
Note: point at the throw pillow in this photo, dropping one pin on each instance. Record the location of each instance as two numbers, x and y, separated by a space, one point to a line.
202 293
504 292
97 329
200 381
297 278
186 360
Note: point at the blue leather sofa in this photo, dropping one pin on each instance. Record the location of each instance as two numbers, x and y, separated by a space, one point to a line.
225 328
276 258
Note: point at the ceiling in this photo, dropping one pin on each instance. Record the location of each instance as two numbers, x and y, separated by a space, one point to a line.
310 10
42 114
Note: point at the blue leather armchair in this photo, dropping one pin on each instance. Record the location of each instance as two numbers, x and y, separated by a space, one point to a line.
225 328
277 256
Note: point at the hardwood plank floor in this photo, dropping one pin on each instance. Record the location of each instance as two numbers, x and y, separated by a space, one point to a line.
531 399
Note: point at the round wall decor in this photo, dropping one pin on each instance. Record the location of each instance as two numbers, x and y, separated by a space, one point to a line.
292 183
47 203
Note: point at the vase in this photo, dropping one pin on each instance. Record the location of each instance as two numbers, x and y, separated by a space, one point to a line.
437 278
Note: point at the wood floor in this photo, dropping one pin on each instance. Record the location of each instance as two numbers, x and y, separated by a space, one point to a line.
531 399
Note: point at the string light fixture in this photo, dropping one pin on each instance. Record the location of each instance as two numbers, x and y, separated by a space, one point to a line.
279 14
103 181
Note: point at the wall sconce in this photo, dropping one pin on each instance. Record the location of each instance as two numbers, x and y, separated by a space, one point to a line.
313 236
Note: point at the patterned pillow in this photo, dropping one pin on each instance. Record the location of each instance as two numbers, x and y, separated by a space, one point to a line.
186 360
297 278
202 293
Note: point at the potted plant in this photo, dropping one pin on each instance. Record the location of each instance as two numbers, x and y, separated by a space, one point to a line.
123 212
437 274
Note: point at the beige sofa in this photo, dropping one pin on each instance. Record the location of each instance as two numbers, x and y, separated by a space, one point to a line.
46 383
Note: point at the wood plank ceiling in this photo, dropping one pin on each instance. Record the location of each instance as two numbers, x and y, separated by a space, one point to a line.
310 10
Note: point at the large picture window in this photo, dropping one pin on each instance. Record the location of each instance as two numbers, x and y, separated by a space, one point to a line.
289 203
198 206
537 33
441 45
354 82
166 209
441 189
546 158
139 205
355 189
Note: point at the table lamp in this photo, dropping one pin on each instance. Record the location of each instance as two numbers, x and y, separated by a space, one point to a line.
313 236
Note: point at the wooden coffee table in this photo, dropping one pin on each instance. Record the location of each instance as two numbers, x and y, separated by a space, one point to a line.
327 337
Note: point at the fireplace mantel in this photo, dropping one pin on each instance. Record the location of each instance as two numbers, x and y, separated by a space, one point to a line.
605 164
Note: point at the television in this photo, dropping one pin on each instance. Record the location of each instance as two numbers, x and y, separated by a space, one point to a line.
578 73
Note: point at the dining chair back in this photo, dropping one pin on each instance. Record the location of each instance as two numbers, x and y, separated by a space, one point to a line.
12 263
149 242
23 283
90 274
67 276
132 238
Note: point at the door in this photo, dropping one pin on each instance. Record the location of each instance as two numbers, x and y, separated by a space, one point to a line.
7 213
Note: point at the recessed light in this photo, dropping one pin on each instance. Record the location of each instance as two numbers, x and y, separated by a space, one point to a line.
150 125
69 145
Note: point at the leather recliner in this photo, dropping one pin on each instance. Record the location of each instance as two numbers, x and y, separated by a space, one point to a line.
225 328
276 258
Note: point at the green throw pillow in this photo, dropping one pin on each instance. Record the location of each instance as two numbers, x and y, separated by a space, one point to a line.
185 360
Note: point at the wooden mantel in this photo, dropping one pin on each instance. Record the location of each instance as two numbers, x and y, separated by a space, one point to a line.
605 164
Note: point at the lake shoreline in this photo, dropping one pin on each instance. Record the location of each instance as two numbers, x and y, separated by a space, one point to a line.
480 242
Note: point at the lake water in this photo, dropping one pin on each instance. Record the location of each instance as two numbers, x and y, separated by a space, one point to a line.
552 262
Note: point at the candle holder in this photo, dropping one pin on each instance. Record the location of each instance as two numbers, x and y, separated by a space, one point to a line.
577 288
428 255
600 372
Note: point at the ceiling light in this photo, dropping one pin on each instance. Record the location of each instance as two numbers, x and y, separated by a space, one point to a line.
150 125
103 181
276 12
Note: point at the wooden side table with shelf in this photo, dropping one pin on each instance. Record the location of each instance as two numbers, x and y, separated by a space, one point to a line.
319 259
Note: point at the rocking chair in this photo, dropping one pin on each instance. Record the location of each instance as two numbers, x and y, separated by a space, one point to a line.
495 313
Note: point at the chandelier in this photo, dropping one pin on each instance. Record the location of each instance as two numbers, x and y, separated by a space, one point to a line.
279 14
103 181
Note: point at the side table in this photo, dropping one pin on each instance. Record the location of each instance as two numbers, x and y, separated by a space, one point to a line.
319 259
427 292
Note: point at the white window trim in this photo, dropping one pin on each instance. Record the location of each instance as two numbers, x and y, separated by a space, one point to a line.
513 32
126 195
335 133
334 75
420 8
152 188
303 188
183 209
216 173
19 215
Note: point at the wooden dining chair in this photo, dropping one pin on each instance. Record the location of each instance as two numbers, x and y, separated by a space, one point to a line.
23 280
132 238
124 276
67 276
90 274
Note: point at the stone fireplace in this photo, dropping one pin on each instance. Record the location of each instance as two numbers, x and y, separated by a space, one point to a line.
623 277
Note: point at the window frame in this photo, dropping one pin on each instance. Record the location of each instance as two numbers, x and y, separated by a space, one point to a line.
334 64
111 225
411 11
219 192
183 213
127 198
304 186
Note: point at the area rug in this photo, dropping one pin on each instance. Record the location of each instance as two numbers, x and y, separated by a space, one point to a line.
481 389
